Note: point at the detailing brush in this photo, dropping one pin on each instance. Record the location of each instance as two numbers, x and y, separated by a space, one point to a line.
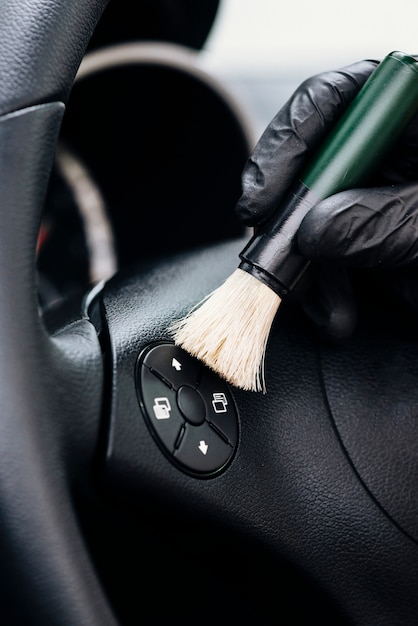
229 330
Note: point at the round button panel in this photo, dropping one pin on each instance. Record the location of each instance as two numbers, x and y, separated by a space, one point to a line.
188 408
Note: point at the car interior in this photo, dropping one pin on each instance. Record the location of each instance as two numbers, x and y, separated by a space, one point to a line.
121 155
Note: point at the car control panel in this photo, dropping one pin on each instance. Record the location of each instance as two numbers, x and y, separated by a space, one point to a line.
188 409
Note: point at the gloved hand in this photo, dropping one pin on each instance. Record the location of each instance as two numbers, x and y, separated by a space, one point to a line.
373 227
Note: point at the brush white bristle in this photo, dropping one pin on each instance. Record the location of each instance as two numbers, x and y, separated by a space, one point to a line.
229 330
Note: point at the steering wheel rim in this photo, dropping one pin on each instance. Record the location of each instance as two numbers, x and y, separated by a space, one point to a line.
321 516
42 44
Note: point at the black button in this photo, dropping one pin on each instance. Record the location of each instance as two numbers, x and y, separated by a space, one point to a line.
191 405
202 450
161 408
173 364
220 407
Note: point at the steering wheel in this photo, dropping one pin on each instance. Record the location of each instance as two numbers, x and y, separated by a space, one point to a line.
315 482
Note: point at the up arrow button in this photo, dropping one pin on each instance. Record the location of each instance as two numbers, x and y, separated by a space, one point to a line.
176 364
172 364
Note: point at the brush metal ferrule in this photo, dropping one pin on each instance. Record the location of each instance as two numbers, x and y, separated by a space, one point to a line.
372 123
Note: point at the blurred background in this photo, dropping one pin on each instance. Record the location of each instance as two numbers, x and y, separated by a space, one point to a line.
264 48
168 104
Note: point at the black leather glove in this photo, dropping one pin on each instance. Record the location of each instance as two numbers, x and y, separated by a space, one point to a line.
374 227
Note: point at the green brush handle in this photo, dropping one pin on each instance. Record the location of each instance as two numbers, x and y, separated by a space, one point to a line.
371 124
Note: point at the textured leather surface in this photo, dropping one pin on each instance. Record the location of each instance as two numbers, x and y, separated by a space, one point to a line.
41 47
50 404
372 389
50 389
291 485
